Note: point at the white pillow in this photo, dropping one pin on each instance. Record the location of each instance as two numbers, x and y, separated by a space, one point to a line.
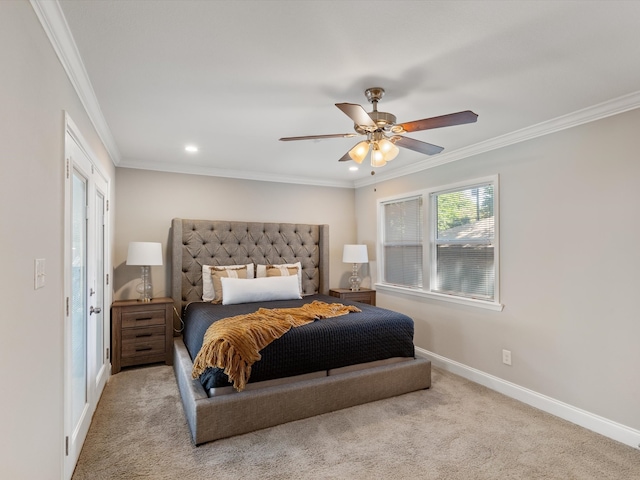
245 290
208 293
261 271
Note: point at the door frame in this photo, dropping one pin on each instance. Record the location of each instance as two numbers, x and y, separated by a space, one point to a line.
96 376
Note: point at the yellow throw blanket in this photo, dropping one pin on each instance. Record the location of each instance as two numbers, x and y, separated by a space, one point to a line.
234 343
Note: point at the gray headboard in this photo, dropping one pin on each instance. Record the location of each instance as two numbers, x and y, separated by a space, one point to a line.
211 242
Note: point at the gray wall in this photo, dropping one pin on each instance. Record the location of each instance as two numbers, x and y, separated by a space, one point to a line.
569 268
34 93
147 201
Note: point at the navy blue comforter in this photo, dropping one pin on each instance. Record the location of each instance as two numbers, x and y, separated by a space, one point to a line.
373 334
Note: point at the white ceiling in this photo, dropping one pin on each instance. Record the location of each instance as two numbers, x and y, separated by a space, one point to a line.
234 76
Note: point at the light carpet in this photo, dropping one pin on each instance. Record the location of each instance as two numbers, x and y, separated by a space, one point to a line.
455 430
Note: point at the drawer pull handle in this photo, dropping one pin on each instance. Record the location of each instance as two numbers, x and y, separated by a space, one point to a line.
143 349
143 335
144 318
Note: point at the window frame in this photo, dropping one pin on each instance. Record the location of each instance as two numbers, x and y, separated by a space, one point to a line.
429 225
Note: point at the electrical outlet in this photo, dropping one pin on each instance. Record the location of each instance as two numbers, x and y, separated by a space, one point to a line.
506 357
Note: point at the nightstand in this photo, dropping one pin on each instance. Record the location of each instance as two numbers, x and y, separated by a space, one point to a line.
141 332
364 295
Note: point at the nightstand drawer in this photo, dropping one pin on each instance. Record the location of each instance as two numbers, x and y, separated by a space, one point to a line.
143 341
362 297
143 318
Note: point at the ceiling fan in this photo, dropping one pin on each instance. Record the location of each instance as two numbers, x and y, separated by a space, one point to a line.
383 133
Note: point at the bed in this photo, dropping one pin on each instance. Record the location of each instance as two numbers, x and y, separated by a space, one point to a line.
215 410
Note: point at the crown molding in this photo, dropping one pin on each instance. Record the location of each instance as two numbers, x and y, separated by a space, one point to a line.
590 114
55 26
237 174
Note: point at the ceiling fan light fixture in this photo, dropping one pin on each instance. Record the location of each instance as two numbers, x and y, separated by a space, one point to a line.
359 152
384 134
388 149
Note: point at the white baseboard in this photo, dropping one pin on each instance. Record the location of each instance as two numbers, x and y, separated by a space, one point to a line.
616 431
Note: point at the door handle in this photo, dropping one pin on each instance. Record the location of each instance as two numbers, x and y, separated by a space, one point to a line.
94 310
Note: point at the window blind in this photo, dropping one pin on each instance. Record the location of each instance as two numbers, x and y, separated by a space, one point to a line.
463 253
402 242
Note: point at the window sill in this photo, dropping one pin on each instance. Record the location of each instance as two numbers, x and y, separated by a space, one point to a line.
470 302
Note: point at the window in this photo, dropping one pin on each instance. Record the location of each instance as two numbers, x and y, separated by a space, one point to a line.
402 242
462 255
456 258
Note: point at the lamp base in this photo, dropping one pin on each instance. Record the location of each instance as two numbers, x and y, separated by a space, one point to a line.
354 279
145 288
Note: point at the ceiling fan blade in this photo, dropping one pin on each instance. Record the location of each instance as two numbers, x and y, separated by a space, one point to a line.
416 145
319 137
345 158
358 114
443 121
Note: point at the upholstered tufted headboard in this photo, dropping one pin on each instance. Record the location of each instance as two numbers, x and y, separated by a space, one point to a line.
210 242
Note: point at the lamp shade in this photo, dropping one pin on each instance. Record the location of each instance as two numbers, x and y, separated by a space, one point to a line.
144 253
355 254
359 152
377 157
388 149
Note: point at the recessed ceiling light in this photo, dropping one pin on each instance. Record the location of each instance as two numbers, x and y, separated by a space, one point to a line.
191 148
353 169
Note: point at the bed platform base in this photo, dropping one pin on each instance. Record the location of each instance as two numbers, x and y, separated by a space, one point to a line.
227 415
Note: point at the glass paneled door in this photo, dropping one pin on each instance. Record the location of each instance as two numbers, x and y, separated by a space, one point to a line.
86 331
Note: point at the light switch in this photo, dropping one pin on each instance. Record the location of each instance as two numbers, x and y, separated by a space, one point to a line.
39 273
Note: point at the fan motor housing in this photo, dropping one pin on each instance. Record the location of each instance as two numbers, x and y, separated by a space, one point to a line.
384 121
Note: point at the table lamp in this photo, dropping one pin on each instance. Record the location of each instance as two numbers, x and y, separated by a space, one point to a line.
355 254
145 254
